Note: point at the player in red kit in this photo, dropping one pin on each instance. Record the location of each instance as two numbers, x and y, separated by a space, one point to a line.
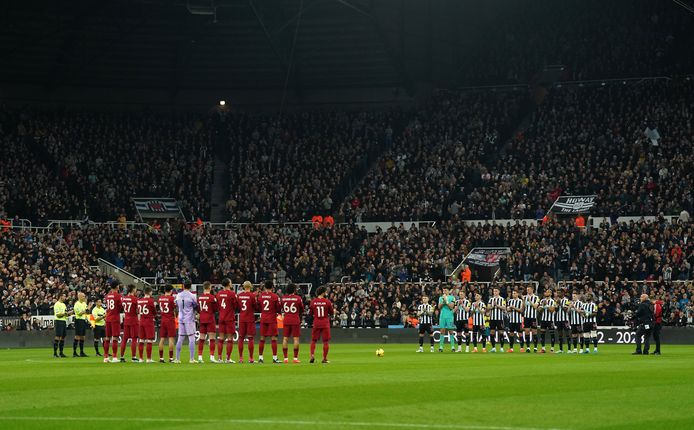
167 324
130 324
147 312
293 308
227 304
112 301
207 306
322 311
247 307
269 309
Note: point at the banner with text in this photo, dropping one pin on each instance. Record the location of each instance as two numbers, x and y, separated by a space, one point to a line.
157 207
573 205
487 257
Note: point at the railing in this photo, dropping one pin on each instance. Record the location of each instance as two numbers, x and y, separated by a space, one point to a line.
122 275
424 285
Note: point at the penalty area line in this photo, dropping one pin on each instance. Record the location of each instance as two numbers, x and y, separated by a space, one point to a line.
261 421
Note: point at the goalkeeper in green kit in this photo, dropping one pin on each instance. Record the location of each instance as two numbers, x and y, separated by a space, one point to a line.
446 324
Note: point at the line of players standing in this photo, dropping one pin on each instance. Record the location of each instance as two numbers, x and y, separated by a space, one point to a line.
521 317
141 312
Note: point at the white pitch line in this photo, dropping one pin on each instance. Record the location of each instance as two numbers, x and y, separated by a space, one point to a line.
278 422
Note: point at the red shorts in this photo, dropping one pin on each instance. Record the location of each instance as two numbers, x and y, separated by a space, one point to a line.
209 327
268 329
227 327
292 330
112 328
147 330
319 332
246 329
130 331
167 328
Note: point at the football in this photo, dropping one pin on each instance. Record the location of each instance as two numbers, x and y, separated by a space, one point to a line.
380 352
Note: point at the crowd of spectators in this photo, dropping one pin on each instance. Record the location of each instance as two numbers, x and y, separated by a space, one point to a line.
287 168
90 165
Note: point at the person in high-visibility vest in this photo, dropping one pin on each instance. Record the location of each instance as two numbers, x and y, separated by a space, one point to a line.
98 320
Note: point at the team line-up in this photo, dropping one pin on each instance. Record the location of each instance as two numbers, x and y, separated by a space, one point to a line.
140 313
573 321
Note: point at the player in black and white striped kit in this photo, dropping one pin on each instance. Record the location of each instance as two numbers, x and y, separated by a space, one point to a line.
561 320
547 308
590 326
497 312
425 314
462 316
530 305
478 310
575 320
514 308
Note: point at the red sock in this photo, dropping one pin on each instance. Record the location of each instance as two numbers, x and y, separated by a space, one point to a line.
170 353
261 346
313 348
240 349
296 352
251 347
107 347
141 349
285 351
161 353
201 345
213 344
149 350
274 348
122 347
326 347
230 347
133 347
220 347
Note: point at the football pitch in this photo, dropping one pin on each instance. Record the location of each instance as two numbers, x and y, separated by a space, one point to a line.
357 390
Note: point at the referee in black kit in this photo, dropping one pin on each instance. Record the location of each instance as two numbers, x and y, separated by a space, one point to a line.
644 321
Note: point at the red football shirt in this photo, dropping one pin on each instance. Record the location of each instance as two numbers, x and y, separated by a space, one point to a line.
247 306
269 307
146 309
129 304
227 304
293 308
207 305
113 307
167 305
322 311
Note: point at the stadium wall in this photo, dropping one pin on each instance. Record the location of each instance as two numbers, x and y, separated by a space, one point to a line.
670 335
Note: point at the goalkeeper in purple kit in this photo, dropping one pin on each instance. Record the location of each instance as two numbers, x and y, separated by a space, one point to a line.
187 303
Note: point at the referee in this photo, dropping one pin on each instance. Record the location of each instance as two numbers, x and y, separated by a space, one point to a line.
81 315
644 320
99 315
60 314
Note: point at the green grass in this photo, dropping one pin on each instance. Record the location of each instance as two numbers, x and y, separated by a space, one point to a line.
611 390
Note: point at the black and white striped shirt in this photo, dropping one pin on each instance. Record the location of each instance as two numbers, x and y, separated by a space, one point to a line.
561 314
546 314
461 314
590 309
530 311
497 306
515 317
478 310
575 318
424 312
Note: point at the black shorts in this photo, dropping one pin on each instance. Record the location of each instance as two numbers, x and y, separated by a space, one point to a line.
99 331
588 327
514 327
562 325
530 323
80 327
60 328
546 325
425 328
478 328
461 326
496 324
576 328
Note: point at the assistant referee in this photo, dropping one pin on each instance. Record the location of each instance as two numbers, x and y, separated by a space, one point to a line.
60 322
81 322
